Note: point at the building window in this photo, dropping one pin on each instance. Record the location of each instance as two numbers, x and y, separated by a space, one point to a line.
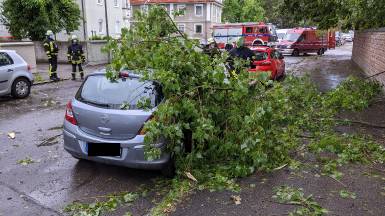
116 3
99 2
117 27
214 8
100 22
199 10
182 27
181 8
198 29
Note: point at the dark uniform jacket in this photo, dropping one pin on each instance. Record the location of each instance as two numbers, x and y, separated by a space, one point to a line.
75 54
50 47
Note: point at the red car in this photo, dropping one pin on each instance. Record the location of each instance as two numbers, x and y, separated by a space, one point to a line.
268 59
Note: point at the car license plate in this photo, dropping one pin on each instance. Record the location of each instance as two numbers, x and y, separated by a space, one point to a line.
104 149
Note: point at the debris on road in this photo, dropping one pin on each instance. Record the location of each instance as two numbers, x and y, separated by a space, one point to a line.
12 135
56 128
26 161
191 177
50 141
236 199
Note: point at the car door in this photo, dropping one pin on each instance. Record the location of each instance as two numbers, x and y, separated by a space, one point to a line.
6 70
274 63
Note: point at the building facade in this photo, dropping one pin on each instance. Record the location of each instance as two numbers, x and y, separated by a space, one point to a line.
197 19
97 16
100 18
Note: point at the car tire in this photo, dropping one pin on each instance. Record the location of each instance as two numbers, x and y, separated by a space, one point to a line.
168 169
21 88
320 52
295 52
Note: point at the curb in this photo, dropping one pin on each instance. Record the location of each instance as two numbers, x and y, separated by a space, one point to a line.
49 81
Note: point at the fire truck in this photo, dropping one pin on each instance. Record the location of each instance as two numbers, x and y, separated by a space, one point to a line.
253 33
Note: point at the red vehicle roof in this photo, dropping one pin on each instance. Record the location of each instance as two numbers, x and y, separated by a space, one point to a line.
260 48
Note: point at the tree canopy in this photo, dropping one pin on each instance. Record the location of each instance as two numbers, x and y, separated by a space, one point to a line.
243 11
347 14
32 18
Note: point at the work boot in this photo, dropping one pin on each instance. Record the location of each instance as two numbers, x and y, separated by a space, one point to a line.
52 78
82 76
73 76
56 77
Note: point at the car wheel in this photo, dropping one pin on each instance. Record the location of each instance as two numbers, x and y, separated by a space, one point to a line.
296 52
21 88
169 169
319 52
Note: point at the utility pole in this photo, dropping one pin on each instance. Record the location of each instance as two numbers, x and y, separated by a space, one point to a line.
107 30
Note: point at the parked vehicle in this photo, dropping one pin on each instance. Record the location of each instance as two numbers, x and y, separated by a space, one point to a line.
15 75
268 59
281 34
306 40
347 37
253 33
104 124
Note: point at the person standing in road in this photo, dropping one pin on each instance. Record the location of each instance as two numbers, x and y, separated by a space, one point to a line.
52 51
240 51
211 48
76 57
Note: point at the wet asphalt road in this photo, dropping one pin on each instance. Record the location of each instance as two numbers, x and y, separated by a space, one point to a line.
56 179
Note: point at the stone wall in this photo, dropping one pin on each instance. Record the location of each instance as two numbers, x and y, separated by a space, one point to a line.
369 52
92 49
24 49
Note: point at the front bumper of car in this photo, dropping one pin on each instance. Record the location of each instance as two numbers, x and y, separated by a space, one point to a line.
286 51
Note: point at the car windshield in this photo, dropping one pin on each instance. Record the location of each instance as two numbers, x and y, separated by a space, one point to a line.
293 37
260 55
124 93
281 35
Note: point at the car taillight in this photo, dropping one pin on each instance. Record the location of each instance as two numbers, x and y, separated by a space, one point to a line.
29 68
142 131
70 114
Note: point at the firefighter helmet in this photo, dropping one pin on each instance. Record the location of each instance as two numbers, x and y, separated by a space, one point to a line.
49 33
210 41
74 37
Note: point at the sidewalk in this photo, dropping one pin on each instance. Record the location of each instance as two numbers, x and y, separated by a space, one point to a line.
63 70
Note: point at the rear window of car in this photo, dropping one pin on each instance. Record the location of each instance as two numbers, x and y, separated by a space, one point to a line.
125 93
260 55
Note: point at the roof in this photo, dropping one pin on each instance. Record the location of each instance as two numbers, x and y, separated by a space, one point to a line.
240 24
141 2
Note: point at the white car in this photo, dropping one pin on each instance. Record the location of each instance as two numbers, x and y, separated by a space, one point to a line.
15 75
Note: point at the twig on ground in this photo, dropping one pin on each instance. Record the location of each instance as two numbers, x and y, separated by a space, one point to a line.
368 124
343 184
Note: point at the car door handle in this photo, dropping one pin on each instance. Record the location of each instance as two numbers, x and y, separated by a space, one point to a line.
105 130
10 70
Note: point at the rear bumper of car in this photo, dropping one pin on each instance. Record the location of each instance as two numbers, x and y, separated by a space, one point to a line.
132 151
286 51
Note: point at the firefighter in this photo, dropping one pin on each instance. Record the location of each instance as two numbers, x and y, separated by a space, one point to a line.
211 48
76 57
51 50
240 51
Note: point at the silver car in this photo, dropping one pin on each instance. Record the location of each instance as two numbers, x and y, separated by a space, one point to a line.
103 123
15 75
